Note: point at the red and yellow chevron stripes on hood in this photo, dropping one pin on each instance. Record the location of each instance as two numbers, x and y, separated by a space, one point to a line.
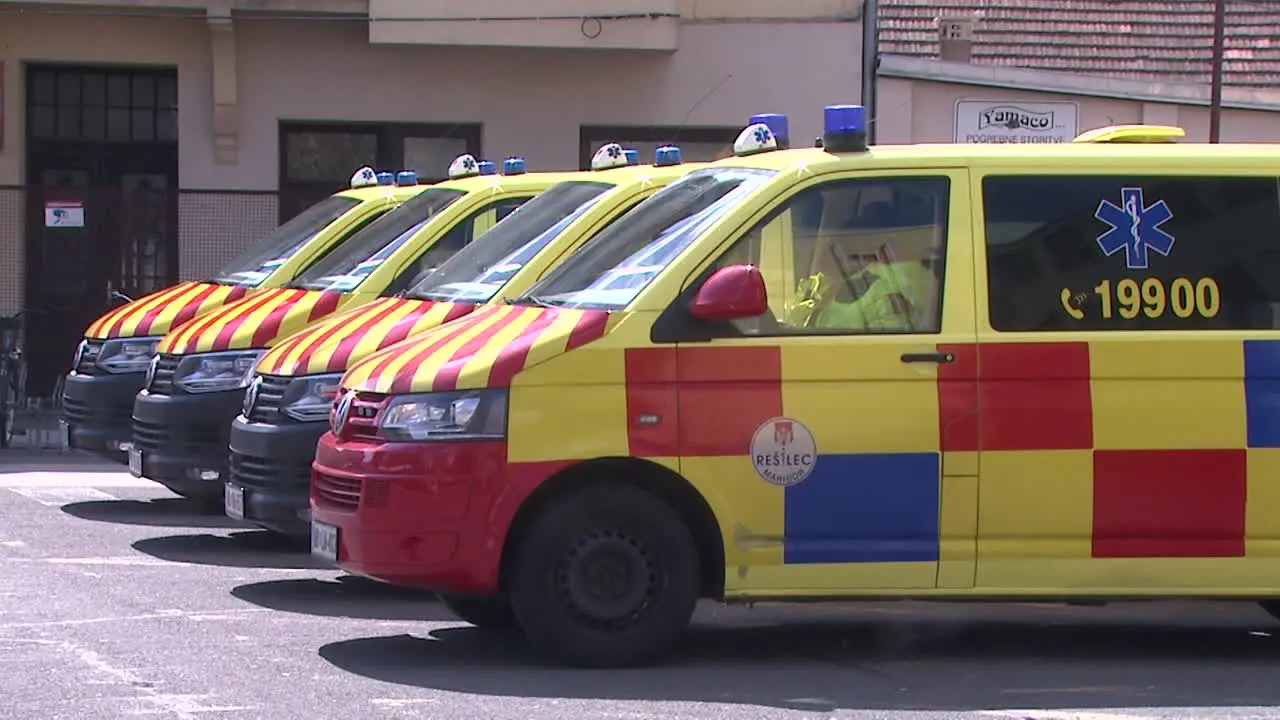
162 311
484 349
330 346
253 322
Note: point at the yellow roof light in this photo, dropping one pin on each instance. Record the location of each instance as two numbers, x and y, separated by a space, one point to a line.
1132 134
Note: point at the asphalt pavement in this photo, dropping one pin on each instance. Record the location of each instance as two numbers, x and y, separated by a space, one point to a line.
118 600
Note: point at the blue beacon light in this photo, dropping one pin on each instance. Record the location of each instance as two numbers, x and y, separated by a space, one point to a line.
844 128
406 178
777 124
632 156
386 178
513 166
666 156
486 167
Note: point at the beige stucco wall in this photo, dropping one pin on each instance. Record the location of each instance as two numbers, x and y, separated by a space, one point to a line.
924 111
531 102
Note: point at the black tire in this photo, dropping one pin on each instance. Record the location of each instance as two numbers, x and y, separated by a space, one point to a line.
486 613
626 538
1272 607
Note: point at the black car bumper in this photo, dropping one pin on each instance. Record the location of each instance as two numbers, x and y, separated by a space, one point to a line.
183 440
97 410
271 465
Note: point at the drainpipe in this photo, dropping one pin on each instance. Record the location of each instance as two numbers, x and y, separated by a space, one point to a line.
871 64
1215 88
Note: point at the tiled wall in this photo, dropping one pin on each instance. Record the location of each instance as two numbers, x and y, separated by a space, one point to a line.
12 249
214 226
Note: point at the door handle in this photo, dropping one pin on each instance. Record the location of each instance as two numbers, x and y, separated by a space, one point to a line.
934 357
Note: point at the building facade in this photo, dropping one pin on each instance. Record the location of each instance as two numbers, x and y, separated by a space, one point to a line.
149 141
145 142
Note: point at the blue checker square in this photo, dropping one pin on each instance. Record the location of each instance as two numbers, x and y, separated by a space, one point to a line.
1262 392
864 509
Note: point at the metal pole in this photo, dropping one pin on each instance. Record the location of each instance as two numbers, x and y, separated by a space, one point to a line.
1215 88
870 64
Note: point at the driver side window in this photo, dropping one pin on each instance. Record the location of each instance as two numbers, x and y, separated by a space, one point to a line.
458 237
850 257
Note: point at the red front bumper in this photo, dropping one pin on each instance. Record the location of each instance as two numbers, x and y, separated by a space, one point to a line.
430 515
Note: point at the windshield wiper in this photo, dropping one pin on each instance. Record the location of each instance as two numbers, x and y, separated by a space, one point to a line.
532 300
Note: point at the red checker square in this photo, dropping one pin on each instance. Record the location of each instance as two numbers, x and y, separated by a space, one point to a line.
725 394
1169 503
1035 396
958 398
652 414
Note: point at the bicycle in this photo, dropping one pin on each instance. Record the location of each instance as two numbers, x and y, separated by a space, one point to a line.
13 375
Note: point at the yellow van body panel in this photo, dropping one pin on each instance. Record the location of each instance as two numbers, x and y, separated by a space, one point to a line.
946 461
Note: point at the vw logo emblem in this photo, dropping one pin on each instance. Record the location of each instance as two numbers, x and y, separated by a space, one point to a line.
344 409
251 394
151 371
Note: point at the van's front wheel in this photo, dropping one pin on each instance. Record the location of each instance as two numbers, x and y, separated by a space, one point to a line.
605 577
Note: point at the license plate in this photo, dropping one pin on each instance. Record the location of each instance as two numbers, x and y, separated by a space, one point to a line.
64 434
135 462
324 541
233 498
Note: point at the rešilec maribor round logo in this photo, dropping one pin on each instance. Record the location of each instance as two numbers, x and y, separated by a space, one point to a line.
783 451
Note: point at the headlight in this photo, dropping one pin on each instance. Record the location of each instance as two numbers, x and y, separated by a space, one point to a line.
216 372
309 399
467 415
127 355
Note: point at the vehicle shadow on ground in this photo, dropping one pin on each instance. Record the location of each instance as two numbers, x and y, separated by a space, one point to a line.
160 512
246 549
894 664
21 460
346 596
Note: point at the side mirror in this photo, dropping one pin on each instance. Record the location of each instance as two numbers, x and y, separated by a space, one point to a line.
736 292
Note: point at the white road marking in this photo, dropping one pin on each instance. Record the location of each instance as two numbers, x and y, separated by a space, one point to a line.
59 496
154 702
74 480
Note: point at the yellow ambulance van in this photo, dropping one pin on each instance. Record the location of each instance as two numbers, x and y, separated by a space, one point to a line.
111 361
196 383
979 372
287 405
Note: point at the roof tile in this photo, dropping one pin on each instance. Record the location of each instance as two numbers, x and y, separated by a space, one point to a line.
1129 39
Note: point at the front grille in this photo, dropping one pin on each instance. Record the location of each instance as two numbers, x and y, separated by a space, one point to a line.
78 412
258 473
88 360
150 436
162 382
266 407
187 439
335 492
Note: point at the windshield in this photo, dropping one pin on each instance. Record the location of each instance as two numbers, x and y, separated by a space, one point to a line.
260 259
348 266
478 271
614 266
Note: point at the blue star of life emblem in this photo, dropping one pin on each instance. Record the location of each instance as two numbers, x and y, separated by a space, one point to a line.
1135 228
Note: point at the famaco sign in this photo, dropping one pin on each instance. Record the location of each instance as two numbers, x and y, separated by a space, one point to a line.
993 121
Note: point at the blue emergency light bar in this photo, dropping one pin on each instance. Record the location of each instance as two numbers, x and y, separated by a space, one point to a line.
513 166
777 124
486 167
386 178
666 156
406 178
844 128
632 156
